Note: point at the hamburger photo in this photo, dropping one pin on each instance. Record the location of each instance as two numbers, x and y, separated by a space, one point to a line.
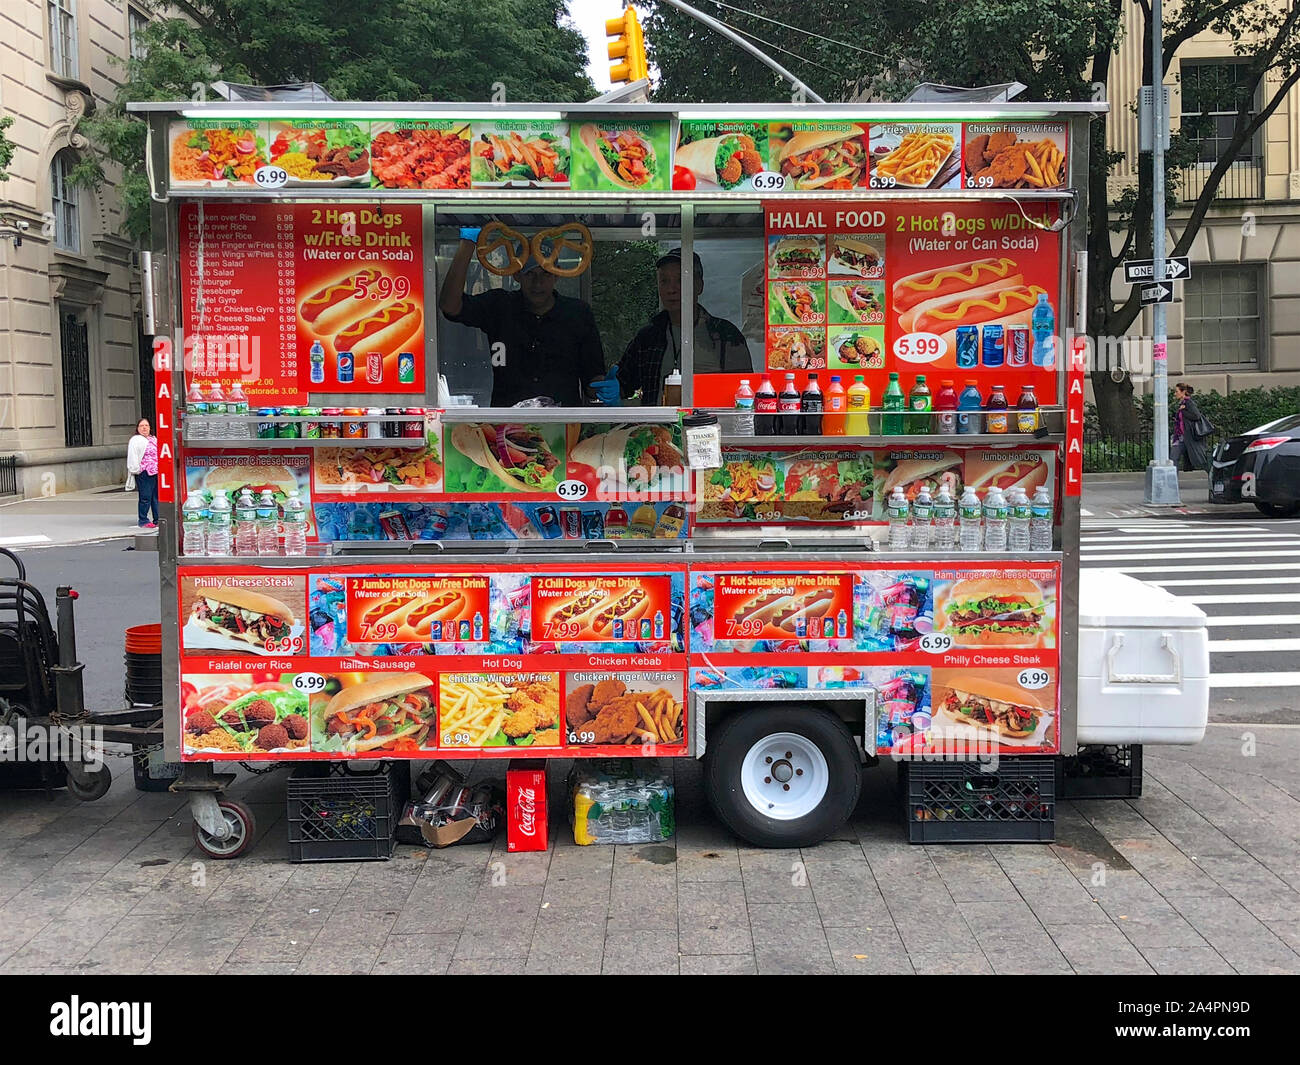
795 256
238 614
995 709
232 480
995 612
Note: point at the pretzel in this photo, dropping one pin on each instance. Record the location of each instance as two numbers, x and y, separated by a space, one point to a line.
515 245
560 242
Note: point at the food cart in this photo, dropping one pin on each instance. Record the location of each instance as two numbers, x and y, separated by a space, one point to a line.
587 580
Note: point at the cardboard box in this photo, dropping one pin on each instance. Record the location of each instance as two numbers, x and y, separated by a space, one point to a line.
526 823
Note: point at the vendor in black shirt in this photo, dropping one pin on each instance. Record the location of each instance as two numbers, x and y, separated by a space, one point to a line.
542 344
657 349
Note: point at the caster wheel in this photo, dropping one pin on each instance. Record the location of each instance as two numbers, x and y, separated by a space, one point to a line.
240 822
97 787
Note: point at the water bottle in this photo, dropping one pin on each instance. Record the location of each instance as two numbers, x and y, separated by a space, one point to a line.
237 408
268 524
945 520
971 515
995 520
743 421
217 427
316 362
922 512
896 511
1018 530
192 526
219 526
295 525
1040 520
246 524
196 407
1043 325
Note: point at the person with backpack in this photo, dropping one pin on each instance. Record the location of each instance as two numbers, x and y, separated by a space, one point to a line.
1191 431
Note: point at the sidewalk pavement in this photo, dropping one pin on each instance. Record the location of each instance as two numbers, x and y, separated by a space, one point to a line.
70 518
1199 875
1119 495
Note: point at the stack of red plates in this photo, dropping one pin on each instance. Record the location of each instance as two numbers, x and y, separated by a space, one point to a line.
144 665
144 640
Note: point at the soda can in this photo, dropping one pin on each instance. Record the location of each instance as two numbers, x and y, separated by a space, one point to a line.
1017 345
464 630
437 522
375 367
593 524
346 367
392 428
435 630
406 368
288 430
968 345
549 523
414 429
440 790
992 349
374 429
266 430
571 523
454 805
311 429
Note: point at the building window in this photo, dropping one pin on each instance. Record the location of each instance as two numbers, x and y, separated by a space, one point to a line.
64 202
1221 312
136 23
63 37
1212 93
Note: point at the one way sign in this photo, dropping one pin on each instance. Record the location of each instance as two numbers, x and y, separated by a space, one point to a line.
1139 270
1157 294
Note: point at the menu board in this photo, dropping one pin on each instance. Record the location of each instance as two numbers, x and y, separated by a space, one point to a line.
850 485
231 470
297 298
963 659
351 664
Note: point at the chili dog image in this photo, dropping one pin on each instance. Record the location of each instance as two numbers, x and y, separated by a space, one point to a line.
387 329
375 614
329 309
580 605
927 285
809 606
628 607
442 607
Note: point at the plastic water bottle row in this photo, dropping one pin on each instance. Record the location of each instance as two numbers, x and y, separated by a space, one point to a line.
216 416
1008 521
210 527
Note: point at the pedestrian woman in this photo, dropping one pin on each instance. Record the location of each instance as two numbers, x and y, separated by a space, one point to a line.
142 465
1187 446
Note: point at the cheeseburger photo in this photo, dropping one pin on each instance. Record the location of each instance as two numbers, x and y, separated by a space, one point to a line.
994 612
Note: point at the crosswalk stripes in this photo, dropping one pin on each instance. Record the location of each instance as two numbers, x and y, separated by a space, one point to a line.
1243 576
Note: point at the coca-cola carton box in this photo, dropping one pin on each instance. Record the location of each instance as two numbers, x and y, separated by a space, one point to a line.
525 807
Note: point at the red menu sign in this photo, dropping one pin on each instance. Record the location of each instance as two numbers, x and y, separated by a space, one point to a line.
297 298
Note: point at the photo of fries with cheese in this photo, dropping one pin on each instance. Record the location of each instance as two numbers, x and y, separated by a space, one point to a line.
499 710
916 158
631 708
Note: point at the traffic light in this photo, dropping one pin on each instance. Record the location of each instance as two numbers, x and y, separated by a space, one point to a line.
628 46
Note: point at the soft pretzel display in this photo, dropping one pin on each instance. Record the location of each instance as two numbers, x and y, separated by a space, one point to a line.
497 235
560 241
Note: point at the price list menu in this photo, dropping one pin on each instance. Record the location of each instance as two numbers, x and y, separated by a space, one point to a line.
239 293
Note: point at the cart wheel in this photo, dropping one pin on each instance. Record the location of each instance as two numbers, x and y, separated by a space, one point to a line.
783 776
240 821
100 781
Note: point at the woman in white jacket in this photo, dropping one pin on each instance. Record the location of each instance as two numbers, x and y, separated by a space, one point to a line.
142 465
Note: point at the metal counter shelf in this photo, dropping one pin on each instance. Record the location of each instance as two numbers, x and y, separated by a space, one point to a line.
634 415
1005 440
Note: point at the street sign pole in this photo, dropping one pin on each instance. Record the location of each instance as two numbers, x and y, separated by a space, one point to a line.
1161 483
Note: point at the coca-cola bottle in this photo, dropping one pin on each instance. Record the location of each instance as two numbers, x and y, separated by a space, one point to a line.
787 405
765 416
811 406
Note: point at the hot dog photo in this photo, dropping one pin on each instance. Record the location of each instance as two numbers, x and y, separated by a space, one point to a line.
606 608
417 610
781 607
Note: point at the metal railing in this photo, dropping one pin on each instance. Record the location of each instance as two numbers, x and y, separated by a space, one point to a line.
1244 180
1130 454
8 475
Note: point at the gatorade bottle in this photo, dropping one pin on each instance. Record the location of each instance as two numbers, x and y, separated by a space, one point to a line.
811 405
836 404
765 417
891 422
1043 325
945 406
1027 410
968 408
996 420
859 403
918 408
787 406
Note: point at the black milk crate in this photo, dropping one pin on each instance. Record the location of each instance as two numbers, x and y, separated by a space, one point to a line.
337 816
1102 771
957 802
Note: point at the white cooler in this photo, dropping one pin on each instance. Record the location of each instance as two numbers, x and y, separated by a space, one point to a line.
1144 663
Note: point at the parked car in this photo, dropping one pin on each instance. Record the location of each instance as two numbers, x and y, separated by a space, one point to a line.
1260 467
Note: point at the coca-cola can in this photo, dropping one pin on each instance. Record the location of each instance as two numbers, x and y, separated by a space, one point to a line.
375 367
437 794
526 828
1017 345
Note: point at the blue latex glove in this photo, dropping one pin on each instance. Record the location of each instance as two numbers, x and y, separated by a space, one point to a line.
470 233
607 390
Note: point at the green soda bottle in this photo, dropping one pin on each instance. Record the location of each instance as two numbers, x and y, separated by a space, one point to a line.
892 403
